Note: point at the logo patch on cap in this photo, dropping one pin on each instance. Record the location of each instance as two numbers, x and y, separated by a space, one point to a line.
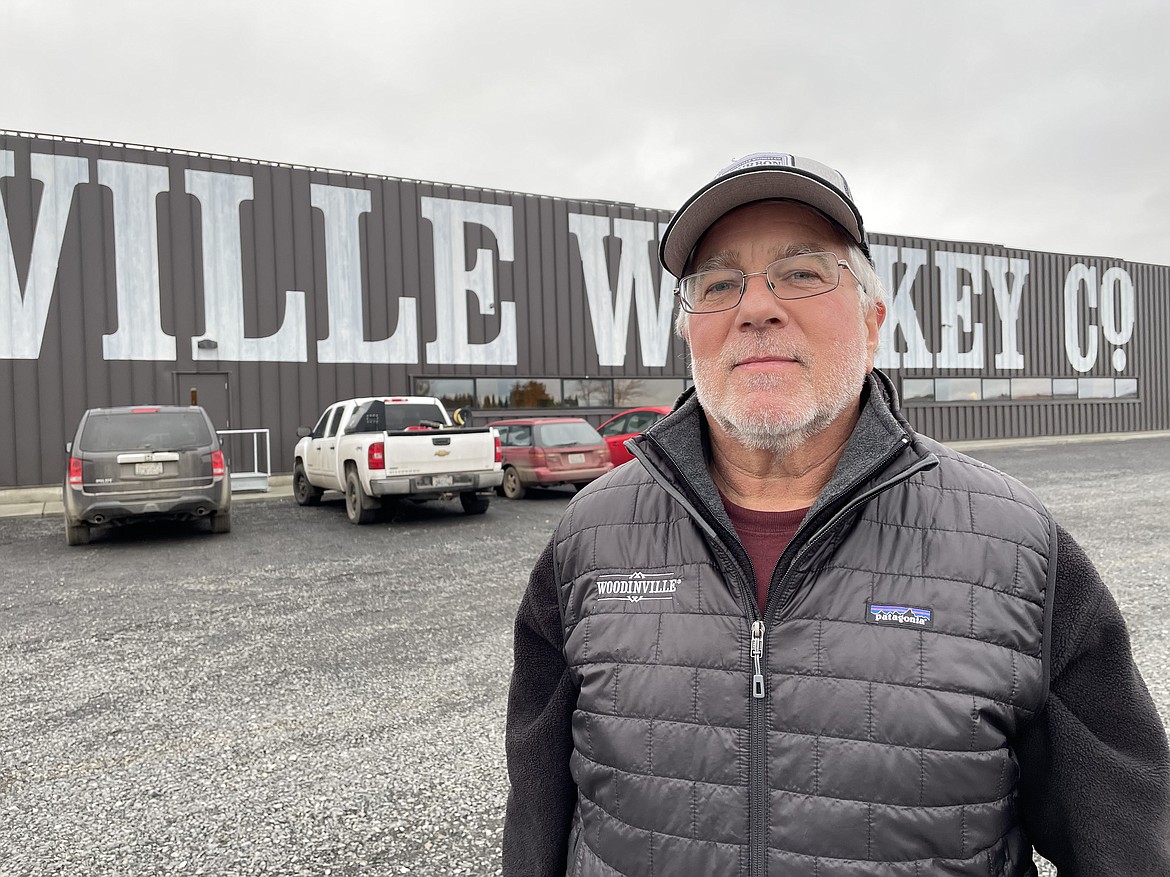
899 615
761 159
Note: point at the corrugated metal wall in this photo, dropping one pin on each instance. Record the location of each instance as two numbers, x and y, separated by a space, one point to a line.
146 254
1042 332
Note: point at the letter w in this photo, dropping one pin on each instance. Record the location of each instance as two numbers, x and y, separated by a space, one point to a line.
22 317
609 309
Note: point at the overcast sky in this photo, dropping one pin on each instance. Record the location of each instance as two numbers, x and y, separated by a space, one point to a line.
1039 125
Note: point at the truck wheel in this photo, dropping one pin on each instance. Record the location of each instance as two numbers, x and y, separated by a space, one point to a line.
303 490
221 522
474 503
76 534
357 507
513 488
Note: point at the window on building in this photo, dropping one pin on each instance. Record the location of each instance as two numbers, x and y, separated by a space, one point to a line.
587 393
995 389
918 389
452 392
1095 388
517 392
1019 389
957 389
633 392
1031 388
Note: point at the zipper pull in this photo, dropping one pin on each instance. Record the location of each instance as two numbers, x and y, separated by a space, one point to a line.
757 654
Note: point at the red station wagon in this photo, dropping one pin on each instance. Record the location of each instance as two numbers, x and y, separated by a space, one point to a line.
546 451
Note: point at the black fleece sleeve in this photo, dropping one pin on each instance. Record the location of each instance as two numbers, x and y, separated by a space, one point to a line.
1095 771
538 738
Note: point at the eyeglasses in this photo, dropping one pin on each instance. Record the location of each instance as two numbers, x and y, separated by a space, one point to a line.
796 277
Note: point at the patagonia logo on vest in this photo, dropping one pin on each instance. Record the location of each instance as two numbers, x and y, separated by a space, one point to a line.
898 615
635 587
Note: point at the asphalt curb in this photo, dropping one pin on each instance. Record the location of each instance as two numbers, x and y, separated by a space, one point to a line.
45 500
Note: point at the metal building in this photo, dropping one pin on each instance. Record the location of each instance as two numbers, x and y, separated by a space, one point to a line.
132 275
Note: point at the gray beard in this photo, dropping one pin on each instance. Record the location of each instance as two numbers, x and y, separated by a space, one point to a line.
780 433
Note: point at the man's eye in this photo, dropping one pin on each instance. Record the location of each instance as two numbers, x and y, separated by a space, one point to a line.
722 286
801 277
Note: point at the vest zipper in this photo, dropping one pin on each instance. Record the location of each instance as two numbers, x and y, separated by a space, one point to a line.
757 654
758 771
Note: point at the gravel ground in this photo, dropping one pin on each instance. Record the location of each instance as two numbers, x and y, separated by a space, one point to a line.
303 696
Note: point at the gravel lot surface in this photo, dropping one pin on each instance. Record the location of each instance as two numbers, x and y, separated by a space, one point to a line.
302 696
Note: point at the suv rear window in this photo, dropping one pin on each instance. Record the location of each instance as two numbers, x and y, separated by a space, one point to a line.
142 431
563 435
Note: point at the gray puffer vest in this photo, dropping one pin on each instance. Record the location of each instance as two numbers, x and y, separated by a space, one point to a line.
861 725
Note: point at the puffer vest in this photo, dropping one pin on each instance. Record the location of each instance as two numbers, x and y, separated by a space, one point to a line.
860 726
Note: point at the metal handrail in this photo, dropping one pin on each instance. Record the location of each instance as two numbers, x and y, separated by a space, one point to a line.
257 479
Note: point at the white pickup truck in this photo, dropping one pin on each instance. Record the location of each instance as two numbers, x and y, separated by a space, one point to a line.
383 447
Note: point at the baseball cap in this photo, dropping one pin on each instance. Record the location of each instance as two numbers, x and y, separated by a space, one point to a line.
761 176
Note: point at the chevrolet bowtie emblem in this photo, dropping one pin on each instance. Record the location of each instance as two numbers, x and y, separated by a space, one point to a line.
441 453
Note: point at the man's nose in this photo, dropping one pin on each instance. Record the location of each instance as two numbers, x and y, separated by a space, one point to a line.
759 305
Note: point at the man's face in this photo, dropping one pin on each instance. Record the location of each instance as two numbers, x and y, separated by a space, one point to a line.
773 373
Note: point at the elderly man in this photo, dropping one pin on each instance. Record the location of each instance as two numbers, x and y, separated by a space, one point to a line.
793 636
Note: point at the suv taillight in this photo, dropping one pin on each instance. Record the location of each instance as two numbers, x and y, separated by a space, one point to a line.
499 450
75 471
217 467
376 456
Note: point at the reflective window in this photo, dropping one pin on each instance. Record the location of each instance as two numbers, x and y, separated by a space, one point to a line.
996 388
918 389
1064 387
1095 388
632 392
566 434
145 430
519 437
1127 388
617 426
1031 388
517 392
319 429
452 392
587 393
957 389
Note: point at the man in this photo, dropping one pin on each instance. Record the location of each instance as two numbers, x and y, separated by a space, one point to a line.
794 637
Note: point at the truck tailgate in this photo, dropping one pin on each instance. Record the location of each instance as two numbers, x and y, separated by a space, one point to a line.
439 450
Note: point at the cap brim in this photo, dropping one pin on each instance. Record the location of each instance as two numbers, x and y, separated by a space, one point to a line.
691 222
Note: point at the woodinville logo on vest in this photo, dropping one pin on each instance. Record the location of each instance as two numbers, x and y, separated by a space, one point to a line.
899 616
635 587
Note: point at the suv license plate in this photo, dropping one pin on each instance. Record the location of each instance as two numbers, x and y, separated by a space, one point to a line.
576 458
441 480
148 469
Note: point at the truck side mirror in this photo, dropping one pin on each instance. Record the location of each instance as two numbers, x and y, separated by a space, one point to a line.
303 431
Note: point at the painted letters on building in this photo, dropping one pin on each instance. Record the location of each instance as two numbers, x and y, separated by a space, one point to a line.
127 273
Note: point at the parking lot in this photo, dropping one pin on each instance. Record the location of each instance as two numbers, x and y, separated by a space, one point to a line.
303 696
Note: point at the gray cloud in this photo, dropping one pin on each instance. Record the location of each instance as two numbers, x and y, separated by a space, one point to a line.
1041 125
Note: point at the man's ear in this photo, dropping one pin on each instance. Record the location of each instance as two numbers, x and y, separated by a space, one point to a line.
873 322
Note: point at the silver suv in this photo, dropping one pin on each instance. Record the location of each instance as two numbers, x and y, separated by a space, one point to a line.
155 461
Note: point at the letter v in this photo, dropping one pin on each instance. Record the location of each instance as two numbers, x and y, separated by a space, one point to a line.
23 317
